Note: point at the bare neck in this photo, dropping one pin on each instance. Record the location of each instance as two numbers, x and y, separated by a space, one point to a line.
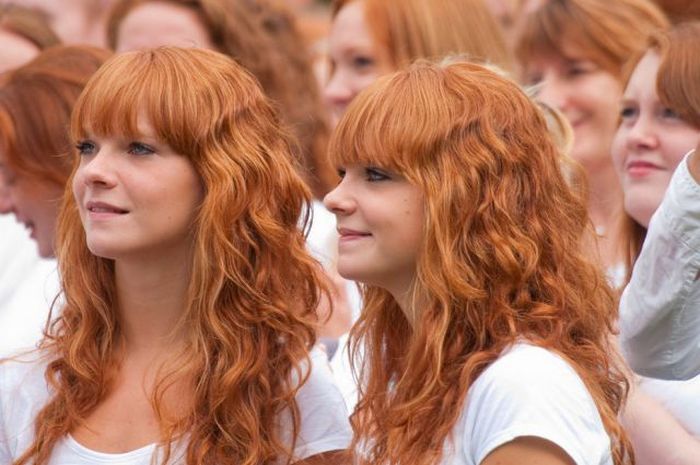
152 294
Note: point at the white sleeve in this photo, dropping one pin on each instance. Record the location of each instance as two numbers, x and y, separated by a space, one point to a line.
533 392
324 423
5 456
660 308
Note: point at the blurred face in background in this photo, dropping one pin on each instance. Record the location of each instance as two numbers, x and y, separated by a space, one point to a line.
75 21
158 23
34 203
356 60
587 95
650 142
15 50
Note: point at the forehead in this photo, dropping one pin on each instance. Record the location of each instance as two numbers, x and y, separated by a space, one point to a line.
350 27
643 78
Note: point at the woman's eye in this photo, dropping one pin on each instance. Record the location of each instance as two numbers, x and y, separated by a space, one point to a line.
341 173
139 148
85 147
361 61
627 112
668 113
375 174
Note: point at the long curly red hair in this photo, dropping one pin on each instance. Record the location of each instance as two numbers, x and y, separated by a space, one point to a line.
250 312
503 258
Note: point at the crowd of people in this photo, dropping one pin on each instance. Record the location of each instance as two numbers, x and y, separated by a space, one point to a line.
368 232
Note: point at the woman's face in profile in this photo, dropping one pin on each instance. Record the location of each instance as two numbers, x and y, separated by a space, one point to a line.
650 142
158 23
356 60
379 217
35 204
136 196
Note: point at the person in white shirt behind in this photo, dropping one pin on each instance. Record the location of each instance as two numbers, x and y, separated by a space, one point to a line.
658 127
35 104
659 311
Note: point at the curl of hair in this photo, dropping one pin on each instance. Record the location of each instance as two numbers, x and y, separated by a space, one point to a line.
606 32
262 36
35 106
502 259
250 308
414 29
678 88
29 24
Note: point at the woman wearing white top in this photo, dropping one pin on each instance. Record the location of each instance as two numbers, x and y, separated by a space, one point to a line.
189 296
658 127
485 330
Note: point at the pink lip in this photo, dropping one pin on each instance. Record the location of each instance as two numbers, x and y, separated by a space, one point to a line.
639 168
102 210
351 234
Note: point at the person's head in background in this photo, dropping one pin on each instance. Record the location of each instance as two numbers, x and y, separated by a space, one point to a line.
35 106
370 38
261 36
23 34
659 125
574 50
75 21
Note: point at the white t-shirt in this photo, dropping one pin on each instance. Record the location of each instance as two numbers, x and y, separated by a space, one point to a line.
324 424
28 285
529 391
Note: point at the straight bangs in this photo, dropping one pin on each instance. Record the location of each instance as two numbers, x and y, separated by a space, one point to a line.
156 86
392 125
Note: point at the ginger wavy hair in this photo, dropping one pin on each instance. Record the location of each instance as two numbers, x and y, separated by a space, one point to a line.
606 32
503 258
678 88
36 100
263 37
253 290
412 29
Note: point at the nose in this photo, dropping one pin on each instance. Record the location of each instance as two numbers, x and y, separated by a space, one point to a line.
642 134
338 93
338 201
97 170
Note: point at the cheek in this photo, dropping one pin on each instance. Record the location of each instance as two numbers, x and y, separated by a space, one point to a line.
618 150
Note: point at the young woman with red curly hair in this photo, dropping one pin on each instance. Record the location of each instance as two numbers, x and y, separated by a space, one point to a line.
486 329
188 324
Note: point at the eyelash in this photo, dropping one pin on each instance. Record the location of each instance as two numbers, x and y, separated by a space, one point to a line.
83 147
371 174
134 148
139 148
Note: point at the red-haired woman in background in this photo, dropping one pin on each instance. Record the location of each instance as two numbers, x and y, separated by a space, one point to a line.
370 38
189 317
486 330
660 124
575 50
35 104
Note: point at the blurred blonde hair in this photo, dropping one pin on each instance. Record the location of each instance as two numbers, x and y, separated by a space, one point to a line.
412 29
604 31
